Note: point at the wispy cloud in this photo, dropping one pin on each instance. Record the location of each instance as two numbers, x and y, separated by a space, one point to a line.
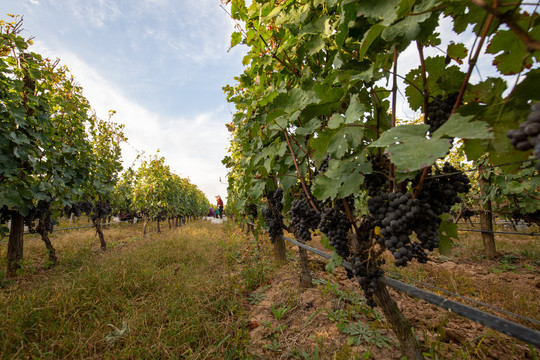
192 146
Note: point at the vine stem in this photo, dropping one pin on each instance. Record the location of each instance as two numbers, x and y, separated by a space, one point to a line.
288 66
349 215
392 179
299 174
424 76
376 103
472 64
531 43
295 142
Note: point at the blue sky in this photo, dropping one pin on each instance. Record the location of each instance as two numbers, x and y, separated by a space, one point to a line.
161 64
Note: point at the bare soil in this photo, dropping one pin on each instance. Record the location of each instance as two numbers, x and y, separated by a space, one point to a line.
310 326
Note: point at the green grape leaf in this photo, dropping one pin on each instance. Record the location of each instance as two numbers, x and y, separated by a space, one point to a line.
405 30
236 38
376 9
336 121
288 180
370 36
512 53
320 145
401 133
487 91
447 232
457 51
463 127
418 153
295 99
342 178
325 187
474 149
335 260
355 111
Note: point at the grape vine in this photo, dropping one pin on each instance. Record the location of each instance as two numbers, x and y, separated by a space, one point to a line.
272 214
527 137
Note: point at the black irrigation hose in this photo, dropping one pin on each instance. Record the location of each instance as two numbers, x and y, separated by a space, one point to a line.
509 328
536 322
348 265
504 326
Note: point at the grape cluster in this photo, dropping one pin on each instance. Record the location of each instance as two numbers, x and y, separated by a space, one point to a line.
78 208
368 275
252 212
335 225
528 218
303 218
5 214
101 210
395 214
399 215
528 135
324 164
42 213
418 252
439 110
438 194
272 214
441 190
378 179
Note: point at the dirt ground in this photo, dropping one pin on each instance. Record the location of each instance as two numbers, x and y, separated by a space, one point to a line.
331 321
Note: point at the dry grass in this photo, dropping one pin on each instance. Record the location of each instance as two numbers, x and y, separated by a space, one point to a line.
173 290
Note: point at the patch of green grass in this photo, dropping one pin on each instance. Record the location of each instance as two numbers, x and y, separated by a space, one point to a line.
280 311
258 296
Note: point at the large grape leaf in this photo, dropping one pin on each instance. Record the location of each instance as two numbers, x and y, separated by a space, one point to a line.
417 153
512 53
400 134
377 9
409 148
405 30
463 127
342 178
295 99
355 111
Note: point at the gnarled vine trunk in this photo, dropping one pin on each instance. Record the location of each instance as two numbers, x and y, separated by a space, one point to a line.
400 324
99 231
15 245
145 224
42 230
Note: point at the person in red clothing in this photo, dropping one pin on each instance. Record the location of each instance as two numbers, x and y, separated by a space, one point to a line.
220 206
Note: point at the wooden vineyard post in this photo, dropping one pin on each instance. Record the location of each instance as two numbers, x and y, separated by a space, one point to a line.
306 279
486 218
280 253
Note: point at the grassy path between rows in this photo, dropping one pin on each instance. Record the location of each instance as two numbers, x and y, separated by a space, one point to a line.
175 291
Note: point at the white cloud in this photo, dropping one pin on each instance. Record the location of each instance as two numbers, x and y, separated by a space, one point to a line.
192 147
93 14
